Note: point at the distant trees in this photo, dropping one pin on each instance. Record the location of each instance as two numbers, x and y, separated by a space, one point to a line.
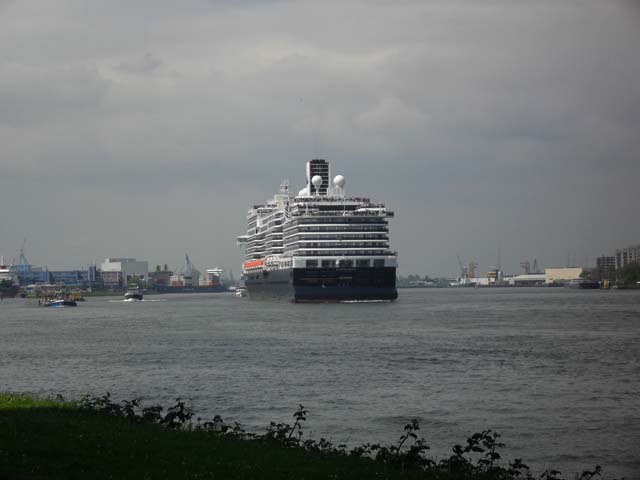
629 274
587 274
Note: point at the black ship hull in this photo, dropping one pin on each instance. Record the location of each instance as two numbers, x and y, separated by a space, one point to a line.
324 285
8 290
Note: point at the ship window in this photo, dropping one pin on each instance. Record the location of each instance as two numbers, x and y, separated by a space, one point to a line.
378 262
346 263
328 263
312 263
362 263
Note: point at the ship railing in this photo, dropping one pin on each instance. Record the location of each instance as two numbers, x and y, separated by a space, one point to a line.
345 213
323 198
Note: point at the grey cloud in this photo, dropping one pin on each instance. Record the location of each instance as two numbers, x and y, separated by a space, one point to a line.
478 122
32 94
145 65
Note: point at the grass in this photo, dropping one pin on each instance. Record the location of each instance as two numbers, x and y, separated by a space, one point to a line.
99 439
49 439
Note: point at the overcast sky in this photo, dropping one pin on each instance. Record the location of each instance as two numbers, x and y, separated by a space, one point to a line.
148 128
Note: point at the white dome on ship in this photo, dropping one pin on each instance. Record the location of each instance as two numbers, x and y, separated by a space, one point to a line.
316 180
303 193
338 181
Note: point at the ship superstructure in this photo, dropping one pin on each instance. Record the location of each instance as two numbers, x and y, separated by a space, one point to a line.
319 245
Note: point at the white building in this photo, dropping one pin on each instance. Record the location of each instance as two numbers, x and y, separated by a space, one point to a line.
127 267
528 279
562 275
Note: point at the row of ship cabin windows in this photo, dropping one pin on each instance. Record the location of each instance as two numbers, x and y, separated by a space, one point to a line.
359 236
316 253
346 263
346 244
339 220
339 228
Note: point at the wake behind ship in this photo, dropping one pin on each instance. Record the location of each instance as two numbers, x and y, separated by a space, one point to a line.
319 245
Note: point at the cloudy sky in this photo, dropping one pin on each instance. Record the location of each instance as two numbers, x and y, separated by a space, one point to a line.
148 128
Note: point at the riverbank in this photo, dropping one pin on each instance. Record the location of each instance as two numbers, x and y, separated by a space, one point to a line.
42 438
98 438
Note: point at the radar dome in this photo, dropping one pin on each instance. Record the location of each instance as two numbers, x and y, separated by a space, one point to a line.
303 193
316 180
338 181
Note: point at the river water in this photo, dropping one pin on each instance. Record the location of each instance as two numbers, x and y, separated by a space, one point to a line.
555 371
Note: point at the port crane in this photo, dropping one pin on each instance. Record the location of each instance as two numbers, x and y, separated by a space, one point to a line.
528 269
463 271
469 271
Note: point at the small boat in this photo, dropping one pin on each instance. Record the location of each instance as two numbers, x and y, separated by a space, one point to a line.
241 292
133 295
60 302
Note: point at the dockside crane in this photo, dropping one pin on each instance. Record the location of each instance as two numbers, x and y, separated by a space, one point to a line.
536 269
463 270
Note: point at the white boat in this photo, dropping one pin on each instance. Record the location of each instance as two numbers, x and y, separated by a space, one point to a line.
133 294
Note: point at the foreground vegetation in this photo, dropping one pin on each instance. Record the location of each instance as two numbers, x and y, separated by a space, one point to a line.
98 438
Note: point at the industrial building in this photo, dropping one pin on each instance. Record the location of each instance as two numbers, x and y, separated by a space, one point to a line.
160 277
29 275
562 275
117 272
528 280
625 256
606 267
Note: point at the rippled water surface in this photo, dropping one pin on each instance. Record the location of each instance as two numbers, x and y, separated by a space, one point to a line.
555 371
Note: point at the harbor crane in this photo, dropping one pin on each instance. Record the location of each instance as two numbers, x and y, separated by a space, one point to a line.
463 271
536 269
469 271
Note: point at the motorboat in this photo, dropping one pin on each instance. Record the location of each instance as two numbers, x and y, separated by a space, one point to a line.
60 302
133 294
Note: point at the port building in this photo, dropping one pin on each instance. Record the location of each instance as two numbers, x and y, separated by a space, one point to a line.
528 280
562 275
29 276
625 256
606 267
117 272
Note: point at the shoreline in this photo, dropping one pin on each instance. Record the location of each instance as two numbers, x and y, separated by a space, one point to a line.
95 437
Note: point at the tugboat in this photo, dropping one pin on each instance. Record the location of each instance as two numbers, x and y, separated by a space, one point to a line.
60 302
133 294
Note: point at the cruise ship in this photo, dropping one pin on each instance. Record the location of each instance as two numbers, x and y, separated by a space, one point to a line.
320 245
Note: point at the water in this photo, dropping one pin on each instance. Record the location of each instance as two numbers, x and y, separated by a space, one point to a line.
555 371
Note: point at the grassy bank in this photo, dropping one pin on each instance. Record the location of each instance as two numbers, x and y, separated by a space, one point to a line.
44 439
97 438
